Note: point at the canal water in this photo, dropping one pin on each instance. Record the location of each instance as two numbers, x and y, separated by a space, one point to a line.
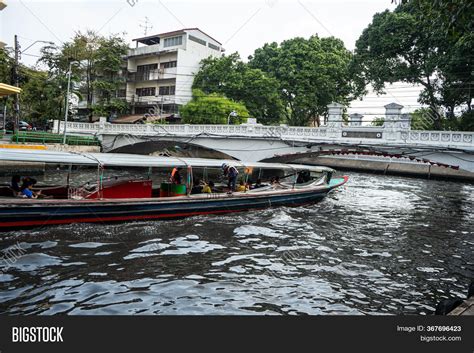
381 245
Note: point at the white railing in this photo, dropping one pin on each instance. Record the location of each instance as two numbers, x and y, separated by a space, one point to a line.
355 135
396 131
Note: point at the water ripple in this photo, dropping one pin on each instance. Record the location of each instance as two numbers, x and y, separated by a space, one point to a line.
383 245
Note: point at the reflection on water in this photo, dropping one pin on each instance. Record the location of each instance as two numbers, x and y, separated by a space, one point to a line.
383 245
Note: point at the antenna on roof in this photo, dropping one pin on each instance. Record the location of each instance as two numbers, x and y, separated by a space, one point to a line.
146 26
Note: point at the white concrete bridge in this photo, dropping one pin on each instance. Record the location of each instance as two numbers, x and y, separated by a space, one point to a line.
258 143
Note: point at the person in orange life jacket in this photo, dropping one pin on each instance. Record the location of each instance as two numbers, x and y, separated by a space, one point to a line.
176 176
231 172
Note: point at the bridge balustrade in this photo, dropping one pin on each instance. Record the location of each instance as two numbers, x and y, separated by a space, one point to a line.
395 131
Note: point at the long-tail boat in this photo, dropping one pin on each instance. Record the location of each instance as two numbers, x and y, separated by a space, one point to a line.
125 199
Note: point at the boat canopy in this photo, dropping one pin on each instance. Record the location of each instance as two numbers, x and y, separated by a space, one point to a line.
133 160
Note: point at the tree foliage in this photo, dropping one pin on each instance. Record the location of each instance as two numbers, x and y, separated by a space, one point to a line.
418 43
311 74
97 62
42 98
212 109
454 17
233 78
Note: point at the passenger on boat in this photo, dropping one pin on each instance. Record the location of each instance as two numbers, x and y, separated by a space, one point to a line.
175 177
242 187
303 177
231 172
258 184
197 188
276 180
27 188
15 184
276 183
208 188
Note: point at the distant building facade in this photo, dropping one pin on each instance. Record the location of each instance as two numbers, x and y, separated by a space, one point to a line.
160 70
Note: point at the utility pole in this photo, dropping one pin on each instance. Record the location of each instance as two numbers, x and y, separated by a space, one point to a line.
5 116
16 81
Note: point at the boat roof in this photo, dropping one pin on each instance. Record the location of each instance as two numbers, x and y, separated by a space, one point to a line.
134 160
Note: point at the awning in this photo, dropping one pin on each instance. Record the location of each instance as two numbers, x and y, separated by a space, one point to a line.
134 160
129 119
6 90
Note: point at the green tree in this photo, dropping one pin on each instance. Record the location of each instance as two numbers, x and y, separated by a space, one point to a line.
229 76
418 43
212 109
42 98
5 67
96 72
422 119
311 73
5 77
452 16
378 121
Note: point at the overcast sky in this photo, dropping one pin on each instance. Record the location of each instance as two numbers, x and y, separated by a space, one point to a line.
241 26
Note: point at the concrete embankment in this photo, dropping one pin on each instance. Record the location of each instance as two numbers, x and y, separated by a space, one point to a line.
390 167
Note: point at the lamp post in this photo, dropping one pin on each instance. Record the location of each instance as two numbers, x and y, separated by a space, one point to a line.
66 109
16 76
233 114
37 41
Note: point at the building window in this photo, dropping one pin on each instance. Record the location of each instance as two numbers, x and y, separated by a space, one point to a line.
173 41
121 93
197 40
144 71
212 46
167 90
146 92
169 64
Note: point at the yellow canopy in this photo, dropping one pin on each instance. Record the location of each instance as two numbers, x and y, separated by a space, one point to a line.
6 90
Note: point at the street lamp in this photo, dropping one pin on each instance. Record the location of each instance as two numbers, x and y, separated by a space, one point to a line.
233 114
66 112
16 76
37 41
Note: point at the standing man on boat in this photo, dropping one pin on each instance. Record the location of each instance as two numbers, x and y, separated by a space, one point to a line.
175 177
231 172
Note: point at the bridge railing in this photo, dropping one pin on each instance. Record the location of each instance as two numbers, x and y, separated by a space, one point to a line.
396 130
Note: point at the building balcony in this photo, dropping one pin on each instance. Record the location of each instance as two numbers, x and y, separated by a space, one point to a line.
153 75
151 50
152 100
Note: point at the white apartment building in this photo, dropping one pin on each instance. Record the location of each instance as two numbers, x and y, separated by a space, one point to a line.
161 69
